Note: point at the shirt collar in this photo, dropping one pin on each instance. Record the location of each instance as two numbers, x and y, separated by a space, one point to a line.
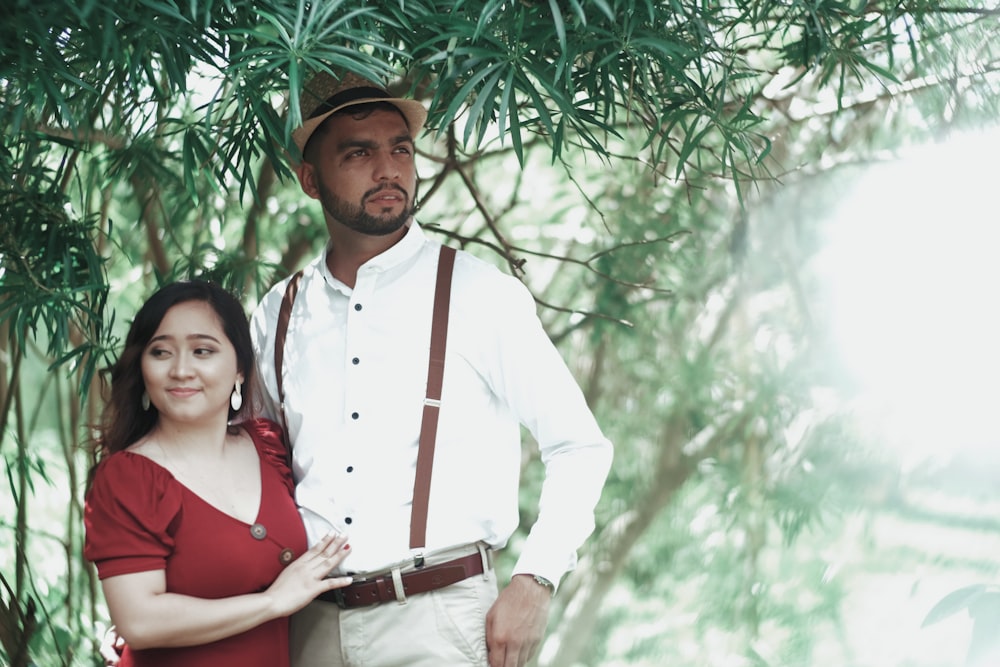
401 252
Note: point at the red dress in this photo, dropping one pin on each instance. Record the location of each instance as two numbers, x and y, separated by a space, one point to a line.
139 518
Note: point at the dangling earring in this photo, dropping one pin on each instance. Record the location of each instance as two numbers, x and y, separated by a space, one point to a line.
236 400
145 400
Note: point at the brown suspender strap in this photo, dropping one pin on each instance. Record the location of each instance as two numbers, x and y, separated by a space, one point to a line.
432 402
284 315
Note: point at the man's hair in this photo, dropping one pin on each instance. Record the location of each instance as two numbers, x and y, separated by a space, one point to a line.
357 112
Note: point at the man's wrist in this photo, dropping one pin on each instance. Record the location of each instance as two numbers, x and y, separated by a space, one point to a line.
542 581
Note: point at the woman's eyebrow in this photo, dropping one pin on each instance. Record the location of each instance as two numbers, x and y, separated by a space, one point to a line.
194 336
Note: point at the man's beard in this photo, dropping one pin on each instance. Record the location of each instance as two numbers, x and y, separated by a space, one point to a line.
356 218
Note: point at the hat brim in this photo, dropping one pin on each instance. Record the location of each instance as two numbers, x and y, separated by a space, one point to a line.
413 111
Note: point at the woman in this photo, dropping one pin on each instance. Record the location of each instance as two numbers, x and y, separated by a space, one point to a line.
190 520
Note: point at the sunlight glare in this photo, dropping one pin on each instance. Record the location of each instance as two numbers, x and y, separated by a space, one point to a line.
914 277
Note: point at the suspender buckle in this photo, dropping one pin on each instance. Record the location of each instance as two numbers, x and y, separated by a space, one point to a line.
432 402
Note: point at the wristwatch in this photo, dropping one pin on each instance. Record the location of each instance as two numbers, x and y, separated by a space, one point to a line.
542 581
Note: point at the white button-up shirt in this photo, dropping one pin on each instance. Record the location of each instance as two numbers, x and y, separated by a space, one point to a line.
355 372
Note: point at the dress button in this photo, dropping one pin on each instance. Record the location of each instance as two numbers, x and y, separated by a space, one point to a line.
258 531
286 556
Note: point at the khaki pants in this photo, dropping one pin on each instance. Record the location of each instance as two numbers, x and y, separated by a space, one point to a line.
446 627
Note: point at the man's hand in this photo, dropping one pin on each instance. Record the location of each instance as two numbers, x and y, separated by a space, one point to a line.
516 622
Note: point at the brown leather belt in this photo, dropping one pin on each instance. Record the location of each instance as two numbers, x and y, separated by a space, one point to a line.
382 588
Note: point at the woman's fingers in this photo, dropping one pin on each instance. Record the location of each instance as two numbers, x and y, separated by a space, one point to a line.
334 548
329 545
111 647
337 582
325 555
323 543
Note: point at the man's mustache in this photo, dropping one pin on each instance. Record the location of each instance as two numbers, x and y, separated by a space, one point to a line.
382 188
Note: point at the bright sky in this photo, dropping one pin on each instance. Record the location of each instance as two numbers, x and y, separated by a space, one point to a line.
915 271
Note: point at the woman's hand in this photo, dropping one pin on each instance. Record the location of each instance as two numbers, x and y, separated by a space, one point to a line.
307 576
111 647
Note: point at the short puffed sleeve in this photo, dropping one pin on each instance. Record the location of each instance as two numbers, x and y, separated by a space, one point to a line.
267 436
130 507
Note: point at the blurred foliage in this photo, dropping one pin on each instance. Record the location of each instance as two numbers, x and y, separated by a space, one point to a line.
622 157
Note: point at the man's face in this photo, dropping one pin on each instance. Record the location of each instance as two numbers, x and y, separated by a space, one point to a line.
363 173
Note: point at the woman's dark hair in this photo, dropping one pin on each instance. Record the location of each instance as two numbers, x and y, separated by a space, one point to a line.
124 421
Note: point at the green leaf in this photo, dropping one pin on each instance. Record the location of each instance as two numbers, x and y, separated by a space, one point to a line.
956 601
481 111
465 91
515 134
557 19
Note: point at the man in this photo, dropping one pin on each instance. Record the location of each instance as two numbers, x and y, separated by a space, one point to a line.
354 378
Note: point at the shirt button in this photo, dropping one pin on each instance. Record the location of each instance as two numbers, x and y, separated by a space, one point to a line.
355 415
357 306
286 556
258 531
350 468
348 520
355 361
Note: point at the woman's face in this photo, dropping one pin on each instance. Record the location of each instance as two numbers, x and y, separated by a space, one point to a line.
189 366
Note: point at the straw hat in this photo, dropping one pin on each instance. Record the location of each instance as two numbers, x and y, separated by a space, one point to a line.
324 94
